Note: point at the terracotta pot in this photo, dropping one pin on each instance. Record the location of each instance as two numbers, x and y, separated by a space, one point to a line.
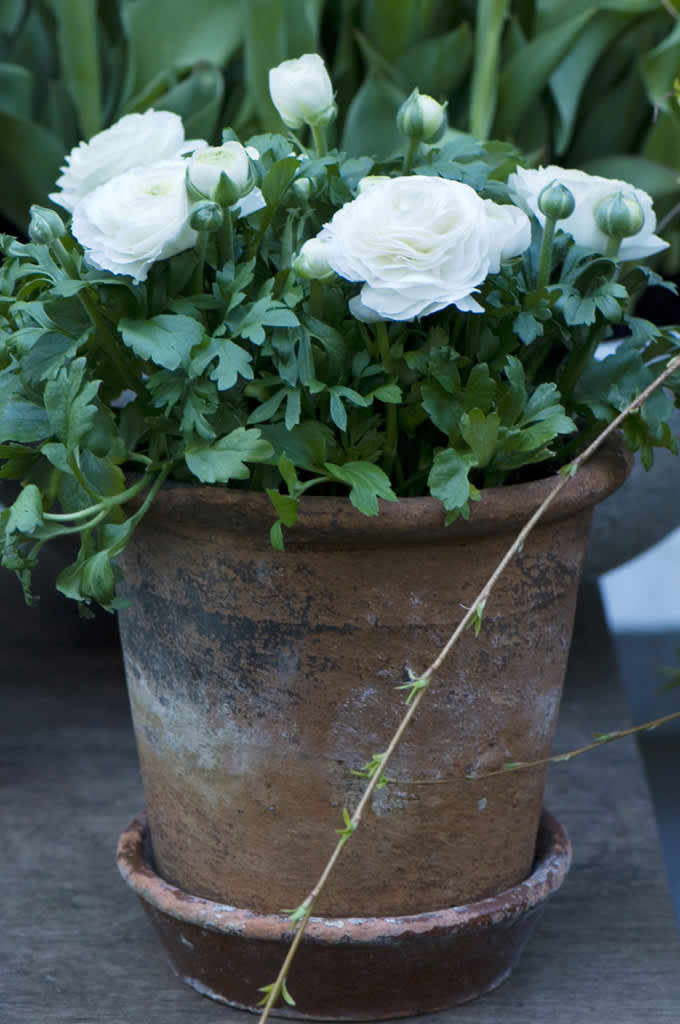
260 680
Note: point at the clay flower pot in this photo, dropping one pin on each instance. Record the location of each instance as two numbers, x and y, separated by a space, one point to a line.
260 680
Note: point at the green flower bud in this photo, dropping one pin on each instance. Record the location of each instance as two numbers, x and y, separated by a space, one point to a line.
556 201
206 216
312 263
45 226
302 187
223 173
619 215
421 117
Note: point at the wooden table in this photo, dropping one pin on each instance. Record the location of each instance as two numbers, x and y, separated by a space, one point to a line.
76 947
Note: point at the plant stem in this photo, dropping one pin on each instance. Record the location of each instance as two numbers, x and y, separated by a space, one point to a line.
225 237
575 363
105 503
423 682
316 299
319 136
105 332
668 219
545 258
613 246
600 740
410 154
391 415
311 900
201 248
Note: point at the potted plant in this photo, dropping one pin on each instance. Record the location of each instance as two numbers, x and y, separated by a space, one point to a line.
294 403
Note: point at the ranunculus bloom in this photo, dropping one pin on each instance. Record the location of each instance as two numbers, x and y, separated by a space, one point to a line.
421 244
588 190
302 91
136 219
134 140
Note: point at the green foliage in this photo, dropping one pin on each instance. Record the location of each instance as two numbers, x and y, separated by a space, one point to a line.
225 367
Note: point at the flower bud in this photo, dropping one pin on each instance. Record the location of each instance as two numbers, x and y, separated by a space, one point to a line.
222 173
421 117
370 181
206 216
45 226
302 187
302 92
312 262
619 215
555 201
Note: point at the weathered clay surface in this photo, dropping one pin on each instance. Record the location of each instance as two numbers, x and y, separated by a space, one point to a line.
348 969
260 679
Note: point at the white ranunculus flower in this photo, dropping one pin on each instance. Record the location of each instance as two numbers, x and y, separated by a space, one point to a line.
136 219
134 140
302 92
421 244
588 191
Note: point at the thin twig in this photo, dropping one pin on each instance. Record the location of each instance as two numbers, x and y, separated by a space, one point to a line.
421 684
600 740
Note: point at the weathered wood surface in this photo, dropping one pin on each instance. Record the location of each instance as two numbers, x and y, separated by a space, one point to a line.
75 947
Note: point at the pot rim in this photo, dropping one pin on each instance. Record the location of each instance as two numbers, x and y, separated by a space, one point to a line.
321 517
553 859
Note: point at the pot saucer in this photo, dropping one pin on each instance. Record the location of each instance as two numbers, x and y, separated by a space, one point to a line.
352 968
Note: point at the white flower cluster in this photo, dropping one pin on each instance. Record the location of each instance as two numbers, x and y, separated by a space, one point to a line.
416 243
419 244
127 190
589 192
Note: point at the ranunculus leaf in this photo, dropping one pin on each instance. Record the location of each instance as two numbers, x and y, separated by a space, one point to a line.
367 483
23 421
225 459
91 578
166 339
68 401
481 433
265 312
278 179
448 480
232 362
286 506
305 446
26 513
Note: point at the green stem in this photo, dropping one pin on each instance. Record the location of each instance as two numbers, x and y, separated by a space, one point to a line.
82 527
105 504
319 136
577 360
410 154
225 239
201 247
316 299
105 332
391 415
545 259
613 246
